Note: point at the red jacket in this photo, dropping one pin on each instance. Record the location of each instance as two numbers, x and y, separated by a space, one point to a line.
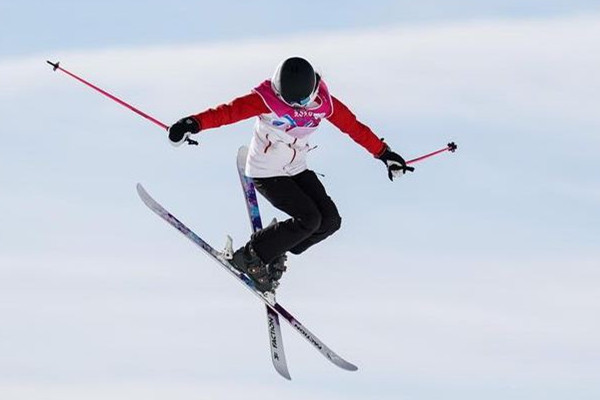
252 105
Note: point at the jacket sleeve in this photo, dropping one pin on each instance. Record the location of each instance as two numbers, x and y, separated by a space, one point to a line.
346 122
241 108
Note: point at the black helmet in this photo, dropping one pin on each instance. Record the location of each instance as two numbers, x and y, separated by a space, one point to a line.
295 81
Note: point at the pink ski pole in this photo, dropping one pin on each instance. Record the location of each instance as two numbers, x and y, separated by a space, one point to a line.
451 147
110 96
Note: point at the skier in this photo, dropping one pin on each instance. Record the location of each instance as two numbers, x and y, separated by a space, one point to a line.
289 107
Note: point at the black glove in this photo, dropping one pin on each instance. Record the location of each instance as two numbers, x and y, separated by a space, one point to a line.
395 164
180 130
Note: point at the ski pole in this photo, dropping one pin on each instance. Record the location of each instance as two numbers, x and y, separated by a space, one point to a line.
57 66
451 147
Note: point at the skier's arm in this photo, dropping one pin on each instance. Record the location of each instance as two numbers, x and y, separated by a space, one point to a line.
241 108
346 122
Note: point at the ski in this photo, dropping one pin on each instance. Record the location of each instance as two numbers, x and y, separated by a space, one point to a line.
267 298
273 325
245 280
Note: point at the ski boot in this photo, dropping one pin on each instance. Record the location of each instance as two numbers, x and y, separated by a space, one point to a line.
246 260
276 268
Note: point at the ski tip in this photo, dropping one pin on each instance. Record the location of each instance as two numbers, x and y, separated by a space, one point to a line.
140 189
283 371
340 362
146 198
241 156
353 368
286 375
345 365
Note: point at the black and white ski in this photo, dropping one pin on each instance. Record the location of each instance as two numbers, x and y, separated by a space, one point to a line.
266 298
273 325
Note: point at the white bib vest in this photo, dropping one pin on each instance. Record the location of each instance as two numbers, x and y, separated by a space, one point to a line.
279 144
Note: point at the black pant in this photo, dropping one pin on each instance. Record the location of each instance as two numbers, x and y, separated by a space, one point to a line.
313 214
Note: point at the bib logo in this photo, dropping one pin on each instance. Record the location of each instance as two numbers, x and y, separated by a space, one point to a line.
308 114
300 118
303 114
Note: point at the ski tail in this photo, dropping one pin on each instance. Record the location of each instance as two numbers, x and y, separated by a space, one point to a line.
276 342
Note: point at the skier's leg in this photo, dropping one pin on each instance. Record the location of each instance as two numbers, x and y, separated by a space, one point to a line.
330 217
286 195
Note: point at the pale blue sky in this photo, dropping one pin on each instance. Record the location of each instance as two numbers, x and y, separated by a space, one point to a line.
31 26
476 277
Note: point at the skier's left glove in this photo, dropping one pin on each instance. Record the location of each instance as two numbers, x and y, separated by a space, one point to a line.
395 164
181 130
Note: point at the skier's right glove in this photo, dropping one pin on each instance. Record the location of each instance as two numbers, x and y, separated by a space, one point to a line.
395 164
181 130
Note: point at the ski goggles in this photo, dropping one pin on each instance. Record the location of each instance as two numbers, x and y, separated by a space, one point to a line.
305 101
308 99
